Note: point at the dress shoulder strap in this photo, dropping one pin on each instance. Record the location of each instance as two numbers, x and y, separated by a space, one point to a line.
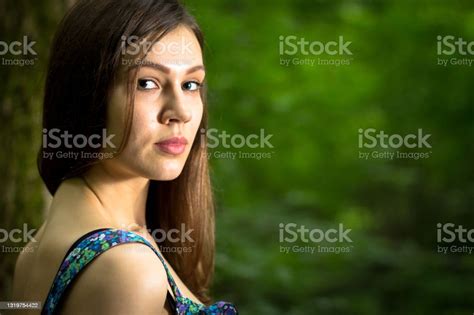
83 252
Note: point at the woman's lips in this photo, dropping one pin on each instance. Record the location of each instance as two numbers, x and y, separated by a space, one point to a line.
173 146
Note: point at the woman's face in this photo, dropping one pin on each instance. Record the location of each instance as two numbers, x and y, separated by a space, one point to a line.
167 112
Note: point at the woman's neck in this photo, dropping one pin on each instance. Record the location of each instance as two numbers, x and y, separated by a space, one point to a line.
116 200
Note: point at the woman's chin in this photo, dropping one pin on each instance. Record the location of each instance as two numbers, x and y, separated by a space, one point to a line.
169 173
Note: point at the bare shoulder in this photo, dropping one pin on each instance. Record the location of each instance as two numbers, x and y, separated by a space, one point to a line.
126 279
23 265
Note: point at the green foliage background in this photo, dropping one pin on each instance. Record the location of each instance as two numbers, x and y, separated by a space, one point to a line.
314 176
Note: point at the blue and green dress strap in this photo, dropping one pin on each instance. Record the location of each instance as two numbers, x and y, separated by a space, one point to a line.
83 252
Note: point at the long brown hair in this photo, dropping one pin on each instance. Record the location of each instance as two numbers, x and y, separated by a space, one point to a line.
85 60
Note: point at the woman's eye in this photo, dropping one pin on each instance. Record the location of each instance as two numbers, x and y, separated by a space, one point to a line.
191 86
144 84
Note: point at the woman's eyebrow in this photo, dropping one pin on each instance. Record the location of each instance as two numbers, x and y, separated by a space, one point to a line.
167 70
195 68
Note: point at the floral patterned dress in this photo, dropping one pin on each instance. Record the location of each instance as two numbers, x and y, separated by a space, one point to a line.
94 243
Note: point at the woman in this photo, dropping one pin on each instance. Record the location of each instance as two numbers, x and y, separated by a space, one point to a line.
124 98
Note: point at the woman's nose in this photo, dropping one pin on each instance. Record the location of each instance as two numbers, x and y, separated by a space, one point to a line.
175 108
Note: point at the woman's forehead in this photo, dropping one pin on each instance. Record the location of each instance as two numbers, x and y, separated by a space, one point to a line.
177 48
